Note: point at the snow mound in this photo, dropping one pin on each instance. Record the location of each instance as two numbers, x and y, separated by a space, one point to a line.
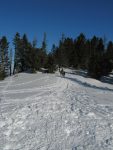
48 112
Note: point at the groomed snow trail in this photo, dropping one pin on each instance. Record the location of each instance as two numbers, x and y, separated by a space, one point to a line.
48 112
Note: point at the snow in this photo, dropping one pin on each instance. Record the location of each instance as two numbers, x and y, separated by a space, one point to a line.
48 112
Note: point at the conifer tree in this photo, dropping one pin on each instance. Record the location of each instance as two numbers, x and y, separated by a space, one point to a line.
4 60
17 47
42 53
34 43
29 55
50 64
80 49
10 61
109 51
2 75
25 53
44 43
100 46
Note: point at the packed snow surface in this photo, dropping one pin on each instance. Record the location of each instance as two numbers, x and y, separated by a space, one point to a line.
47 112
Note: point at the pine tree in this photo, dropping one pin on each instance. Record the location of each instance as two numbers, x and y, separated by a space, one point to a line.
17 59
100 47
29 55
109 51
25 53
2 75
4 60
42 53
68 51
34 43
80 49
50 64
94 45
98 66
60 52
10 61
44 43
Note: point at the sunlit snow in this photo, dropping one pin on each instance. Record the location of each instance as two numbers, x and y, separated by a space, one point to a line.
48 112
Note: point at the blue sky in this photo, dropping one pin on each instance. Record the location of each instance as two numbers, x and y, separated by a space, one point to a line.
71 17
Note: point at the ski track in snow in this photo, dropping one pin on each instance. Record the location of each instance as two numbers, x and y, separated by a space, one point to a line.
60 115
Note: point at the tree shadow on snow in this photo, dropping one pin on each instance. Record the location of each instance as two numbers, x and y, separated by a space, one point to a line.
85 84
107 79
82 73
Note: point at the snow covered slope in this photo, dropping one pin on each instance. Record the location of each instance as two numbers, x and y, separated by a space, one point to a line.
48 112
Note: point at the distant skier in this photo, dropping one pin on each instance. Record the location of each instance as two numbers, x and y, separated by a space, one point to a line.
62 72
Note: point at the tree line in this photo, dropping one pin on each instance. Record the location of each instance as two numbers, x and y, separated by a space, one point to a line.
25 57
94 55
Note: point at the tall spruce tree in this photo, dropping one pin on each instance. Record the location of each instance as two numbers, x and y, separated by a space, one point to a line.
109 51
17 58
29 58
61 52
42 53
2 74
10 61
44 43
4 60
25 53
34 43
94 45
80 49
100 46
